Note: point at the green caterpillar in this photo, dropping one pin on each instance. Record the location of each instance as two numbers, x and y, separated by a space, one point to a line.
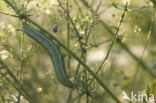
56 56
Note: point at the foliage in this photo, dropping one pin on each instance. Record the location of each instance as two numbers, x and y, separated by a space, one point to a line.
109 47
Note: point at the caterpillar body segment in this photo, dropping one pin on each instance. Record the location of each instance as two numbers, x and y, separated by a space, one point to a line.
55 54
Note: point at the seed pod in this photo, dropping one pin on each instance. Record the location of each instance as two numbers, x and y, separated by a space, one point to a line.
55 28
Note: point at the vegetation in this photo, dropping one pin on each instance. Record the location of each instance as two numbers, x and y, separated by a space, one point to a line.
77 51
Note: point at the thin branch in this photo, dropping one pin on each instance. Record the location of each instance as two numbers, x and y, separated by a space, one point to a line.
21 69
146 44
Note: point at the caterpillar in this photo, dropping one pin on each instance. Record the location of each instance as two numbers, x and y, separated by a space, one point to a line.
55 54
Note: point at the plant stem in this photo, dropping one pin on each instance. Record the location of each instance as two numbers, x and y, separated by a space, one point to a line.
75 29
68 32
98 44
70 95
21 69
78 97
87 100
146 44
2 98
79 8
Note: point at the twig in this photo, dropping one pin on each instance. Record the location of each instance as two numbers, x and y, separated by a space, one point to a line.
68 31
21 69
146 44
75 29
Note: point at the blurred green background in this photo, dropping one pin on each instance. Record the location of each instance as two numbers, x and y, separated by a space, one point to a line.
119 71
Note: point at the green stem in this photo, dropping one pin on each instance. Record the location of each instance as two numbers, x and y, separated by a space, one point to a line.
21 69
3 99
8 14
70 95
75 29
146 44
78 36
68 44
98 44
87 98
79 8
68 31
78 97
